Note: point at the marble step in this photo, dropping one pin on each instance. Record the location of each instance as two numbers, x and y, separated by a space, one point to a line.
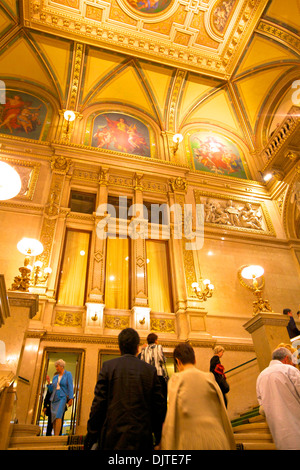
253 427
258 446
253 437
38 442
25 430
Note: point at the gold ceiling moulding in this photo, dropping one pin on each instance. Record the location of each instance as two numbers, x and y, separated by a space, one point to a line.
279 34
97 25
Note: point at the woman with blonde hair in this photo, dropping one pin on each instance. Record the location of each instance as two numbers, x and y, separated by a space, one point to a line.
218 370
61 390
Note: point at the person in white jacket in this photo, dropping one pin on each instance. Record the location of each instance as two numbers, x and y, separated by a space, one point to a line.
278 393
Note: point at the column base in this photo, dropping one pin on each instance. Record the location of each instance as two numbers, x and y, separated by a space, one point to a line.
268 330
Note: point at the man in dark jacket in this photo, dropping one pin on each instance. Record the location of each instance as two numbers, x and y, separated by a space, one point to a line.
128 403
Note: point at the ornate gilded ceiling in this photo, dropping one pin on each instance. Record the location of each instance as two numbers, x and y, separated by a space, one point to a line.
206 36
179 65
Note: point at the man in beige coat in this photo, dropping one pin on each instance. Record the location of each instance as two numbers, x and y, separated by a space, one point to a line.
196 418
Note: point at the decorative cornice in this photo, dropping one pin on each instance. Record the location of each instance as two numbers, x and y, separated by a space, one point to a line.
111 342
279 34
99 27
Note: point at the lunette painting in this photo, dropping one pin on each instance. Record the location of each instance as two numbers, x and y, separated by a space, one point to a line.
120 132
22 115
216 154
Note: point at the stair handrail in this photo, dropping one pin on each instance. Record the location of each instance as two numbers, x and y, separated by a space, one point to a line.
241 365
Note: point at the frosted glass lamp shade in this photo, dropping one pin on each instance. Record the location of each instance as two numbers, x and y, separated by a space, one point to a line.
252 272
69 115
10 182
30 246
177 138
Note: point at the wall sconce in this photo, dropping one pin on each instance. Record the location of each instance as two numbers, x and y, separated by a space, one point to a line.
69 117
203 289
10 182
177 138
255 272
94 317
29 247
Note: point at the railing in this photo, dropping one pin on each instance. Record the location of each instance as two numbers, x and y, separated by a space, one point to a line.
241 365
281 134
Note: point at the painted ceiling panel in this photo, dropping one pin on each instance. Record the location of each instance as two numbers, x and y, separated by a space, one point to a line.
99 64
218 110
125 88
159 31
285 13
159 79
263 51
196 89
58 55
255 88
21 62
5 23
11 6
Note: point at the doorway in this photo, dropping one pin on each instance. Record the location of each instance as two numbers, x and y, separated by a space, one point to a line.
74 364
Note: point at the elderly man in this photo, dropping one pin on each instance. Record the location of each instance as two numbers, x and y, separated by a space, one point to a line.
278 392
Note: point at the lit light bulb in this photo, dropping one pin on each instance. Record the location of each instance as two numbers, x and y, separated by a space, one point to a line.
10 182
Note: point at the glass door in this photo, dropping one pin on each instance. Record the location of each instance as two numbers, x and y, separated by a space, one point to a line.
74 362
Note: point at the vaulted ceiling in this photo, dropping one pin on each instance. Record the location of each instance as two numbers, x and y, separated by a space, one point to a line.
226 65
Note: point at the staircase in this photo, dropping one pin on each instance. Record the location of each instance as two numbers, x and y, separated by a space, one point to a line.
27 437
251 431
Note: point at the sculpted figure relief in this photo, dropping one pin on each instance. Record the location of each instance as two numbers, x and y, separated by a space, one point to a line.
234 215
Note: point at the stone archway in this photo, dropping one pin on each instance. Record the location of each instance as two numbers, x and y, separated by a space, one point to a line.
291 209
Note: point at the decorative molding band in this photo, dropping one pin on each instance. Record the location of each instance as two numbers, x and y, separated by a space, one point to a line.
68 319
112 342
163 325
116 322
279 34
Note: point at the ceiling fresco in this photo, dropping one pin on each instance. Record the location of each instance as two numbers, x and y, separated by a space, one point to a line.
219 66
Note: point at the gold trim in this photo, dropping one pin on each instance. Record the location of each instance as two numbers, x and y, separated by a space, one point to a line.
33 177
163 325
68 319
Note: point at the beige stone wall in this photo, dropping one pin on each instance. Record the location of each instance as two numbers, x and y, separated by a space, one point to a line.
220 320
